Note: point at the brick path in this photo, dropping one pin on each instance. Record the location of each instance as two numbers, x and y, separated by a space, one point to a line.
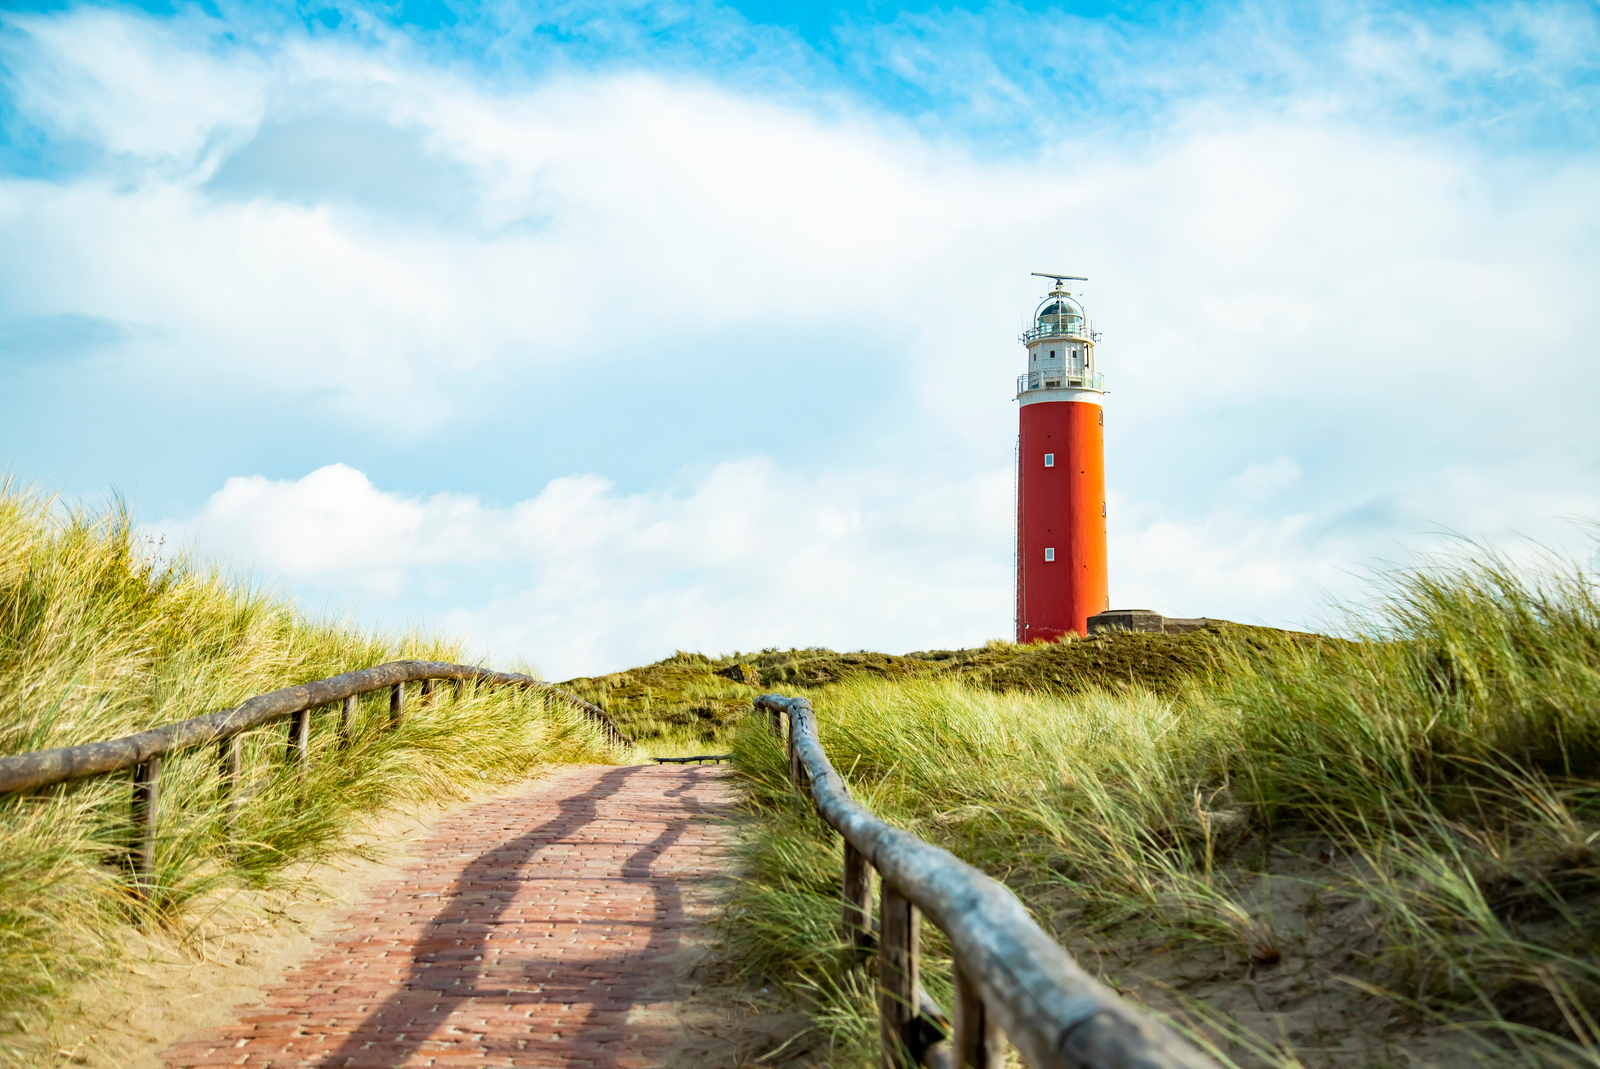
533 931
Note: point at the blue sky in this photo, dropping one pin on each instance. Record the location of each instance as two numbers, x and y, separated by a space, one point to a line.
591 331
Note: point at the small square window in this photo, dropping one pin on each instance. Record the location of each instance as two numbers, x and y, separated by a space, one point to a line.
1050 553
1049 460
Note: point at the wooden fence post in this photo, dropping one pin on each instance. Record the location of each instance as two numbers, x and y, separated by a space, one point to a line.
146 801
857 898
299 749
427 692
899 947
347 721
397 705
230 754
978 1041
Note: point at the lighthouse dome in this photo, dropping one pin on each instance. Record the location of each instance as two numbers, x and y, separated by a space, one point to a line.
1059 314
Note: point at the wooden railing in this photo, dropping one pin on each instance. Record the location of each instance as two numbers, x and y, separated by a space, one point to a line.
143 752
1012 981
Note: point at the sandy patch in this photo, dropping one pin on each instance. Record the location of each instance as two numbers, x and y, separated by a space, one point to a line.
1297 985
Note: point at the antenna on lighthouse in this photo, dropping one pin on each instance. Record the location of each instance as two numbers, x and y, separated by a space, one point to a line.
1060 279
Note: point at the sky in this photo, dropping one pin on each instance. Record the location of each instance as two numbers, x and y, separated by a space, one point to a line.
588 332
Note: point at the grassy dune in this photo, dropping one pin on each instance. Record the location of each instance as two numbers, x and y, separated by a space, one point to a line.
99 637
692 703
1314 852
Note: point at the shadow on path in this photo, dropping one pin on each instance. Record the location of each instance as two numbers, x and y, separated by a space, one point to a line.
544 968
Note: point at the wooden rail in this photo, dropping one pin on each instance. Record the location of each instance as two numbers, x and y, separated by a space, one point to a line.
1012 981
143 752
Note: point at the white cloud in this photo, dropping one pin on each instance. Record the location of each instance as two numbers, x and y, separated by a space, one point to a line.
335 523
582 578
132 85
1244 560
1263 480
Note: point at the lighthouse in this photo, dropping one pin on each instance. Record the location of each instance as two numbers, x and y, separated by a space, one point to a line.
1061 473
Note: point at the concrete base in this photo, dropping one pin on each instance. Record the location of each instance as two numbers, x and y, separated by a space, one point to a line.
1142 620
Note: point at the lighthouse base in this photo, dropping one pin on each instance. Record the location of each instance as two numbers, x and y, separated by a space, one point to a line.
1144 620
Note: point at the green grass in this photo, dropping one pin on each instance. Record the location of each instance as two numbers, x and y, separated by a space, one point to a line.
691 703
100 637
1311 851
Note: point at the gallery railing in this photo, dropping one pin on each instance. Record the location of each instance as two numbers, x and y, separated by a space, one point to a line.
1043 380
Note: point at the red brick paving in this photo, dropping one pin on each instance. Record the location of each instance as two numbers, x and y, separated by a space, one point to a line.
533 931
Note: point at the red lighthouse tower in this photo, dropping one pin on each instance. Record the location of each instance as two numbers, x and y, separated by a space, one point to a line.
1061 473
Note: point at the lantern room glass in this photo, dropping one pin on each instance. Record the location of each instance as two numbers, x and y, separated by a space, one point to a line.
1059 315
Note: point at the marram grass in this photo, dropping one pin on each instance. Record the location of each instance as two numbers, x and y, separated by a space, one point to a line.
1396 830
100 637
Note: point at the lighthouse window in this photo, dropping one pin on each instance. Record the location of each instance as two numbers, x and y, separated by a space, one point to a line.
1052 354
1050 553
1049 460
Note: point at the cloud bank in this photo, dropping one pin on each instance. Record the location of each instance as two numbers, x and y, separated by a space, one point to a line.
593 358
582 576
